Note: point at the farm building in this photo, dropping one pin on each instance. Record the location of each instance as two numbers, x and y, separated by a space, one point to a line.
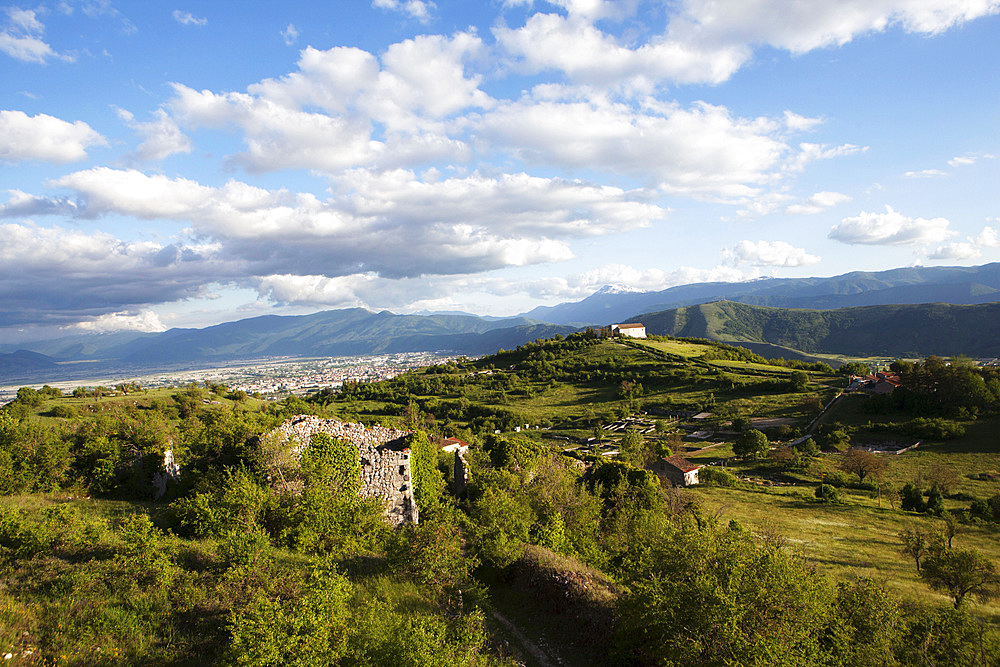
634 330
677 471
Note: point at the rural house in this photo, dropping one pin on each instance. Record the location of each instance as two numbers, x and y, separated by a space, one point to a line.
676 470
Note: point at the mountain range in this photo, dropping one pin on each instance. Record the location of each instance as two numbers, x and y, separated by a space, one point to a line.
946 284
898 330
858 313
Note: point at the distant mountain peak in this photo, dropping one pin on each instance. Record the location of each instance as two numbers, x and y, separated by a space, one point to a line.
618 288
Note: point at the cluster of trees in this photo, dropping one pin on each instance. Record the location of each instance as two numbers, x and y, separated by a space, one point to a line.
957 572
954 388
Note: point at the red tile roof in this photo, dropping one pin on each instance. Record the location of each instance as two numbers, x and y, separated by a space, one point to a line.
681 464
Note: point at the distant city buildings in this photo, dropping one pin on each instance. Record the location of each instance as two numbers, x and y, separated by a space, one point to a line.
271 378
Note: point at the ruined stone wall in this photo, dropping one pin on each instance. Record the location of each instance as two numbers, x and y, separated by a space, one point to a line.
383 459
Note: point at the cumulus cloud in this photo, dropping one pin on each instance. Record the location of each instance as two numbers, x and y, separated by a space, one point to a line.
890 228
391 223
161 136
146 321
707 41
818 203
187 18
59 276
418 9
574 45
698 151
324 115
44 138
769 253
21 37
971 248
290 35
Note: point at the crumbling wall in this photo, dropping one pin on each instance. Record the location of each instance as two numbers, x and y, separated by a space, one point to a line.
383 459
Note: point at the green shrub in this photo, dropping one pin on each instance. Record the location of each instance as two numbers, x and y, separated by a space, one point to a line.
827 493
714 476
428 480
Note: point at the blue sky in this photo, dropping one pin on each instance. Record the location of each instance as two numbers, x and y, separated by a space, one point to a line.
168 164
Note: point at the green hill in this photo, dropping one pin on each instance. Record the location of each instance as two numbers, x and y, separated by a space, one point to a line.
895 330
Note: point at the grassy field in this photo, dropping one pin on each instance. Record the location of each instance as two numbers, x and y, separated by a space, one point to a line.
849 540
676 347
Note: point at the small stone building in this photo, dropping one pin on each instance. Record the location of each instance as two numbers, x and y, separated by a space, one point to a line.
383 458
676 470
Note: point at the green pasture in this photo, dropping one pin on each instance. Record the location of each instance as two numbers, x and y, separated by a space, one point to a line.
676 347
848 540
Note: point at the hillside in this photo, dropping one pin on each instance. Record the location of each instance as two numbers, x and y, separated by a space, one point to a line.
910 285
564 548
24 362
893 330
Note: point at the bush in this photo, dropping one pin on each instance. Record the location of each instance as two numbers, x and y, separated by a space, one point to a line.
837 478
714 476
827 494
912 498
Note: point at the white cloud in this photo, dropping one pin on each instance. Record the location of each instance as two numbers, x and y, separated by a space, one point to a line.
971 248
574 45
21 37
699 151
161 136
890 228
391 223
146 321
817 203
769 253
187 18
418 9
809 152
44 138
621 276
925 173
338 292
290 35
419 85
797 123
969 159
707 41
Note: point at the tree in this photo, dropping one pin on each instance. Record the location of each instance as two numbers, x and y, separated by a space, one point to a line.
915 544
961 573
28 396
912 498
720 597
943 477
630 446
798 381
862 463
751 444
951 527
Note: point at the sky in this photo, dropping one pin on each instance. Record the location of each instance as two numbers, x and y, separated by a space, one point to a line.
167 164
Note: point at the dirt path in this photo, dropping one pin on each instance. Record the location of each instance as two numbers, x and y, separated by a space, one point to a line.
529 646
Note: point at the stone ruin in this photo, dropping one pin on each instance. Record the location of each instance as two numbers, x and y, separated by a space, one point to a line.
383 457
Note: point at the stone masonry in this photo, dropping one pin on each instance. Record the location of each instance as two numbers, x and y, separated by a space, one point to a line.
384 460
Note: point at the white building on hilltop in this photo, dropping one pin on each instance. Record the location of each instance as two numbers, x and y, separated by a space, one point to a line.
634 330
